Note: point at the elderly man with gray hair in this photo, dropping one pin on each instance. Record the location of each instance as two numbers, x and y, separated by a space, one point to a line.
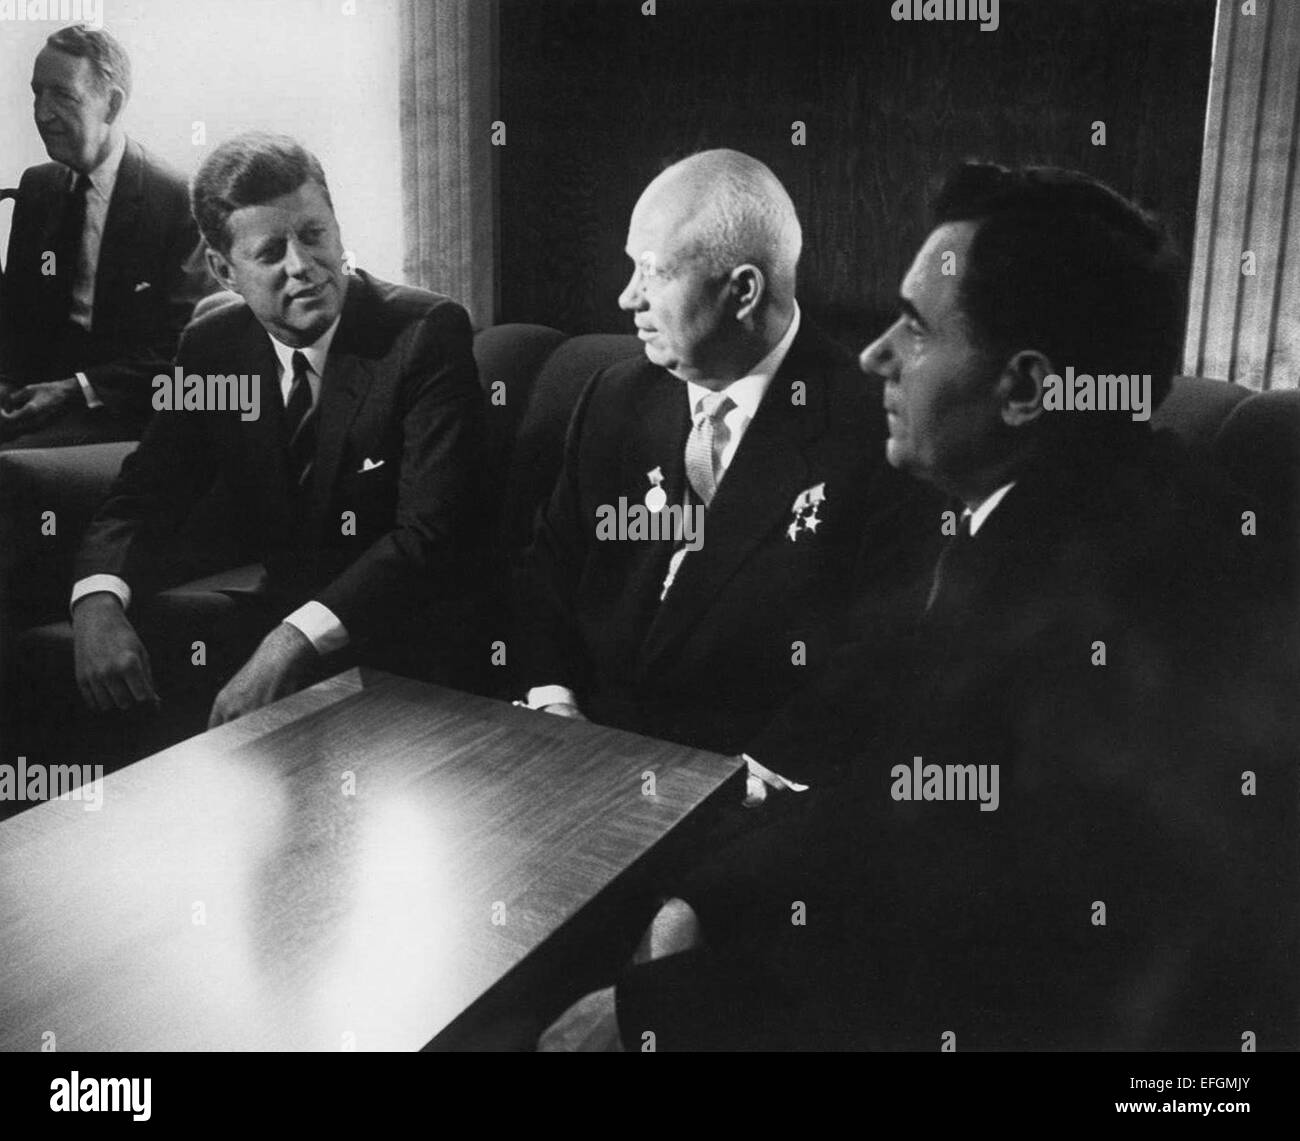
723 501
104 262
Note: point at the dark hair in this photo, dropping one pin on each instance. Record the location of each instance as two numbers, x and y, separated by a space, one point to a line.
108 59
246 171
1062 263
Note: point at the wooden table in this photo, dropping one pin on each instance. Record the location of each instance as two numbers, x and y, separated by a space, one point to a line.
356 866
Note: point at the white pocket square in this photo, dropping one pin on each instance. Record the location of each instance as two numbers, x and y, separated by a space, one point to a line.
141 286
371 465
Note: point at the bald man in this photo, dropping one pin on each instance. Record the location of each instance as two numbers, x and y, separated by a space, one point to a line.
722 502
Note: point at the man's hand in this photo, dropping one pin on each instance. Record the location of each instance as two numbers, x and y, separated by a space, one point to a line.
565 709
278 667
112 664
34 406
590 1025
759 781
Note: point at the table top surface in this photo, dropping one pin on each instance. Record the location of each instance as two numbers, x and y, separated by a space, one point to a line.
353 866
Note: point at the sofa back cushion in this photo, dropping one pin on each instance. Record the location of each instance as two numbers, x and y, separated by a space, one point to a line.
1258 445
539 439
1196 408
35 563
509 357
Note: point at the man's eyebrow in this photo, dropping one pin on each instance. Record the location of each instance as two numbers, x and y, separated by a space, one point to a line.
911 310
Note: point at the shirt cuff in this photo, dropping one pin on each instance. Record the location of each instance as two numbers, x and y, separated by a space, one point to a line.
541 696
762 771
319 625
92 401
101 583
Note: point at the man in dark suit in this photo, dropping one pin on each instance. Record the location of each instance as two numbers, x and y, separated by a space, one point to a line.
104 264
746 425
355 477
1060 837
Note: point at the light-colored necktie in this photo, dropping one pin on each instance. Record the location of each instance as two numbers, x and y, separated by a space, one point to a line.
706 443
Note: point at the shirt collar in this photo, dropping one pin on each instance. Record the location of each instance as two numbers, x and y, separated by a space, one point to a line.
315 353
104 175
985 509
747 392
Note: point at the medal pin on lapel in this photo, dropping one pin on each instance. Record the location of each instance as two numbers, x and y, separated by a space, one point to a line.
806 512
656 497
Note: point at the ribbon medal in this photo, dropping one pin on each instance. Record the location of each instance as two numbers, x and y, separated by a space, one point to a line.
656 497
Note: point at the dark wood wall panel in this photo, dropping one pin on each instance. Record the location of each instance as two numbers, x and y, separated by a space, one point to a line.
597 98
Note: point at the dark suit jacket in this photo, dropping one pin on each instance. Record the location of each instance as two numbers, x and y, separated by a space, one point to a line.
150 274
400 390
708 664
1119 784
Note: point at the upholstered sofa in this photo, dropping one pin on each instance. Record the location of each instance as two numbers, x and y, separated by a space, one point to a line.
532 376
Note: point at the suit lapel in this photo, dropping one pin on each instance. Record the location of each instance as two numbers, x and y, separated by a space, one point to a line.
120 227
52 208
344 386
263 446
768 471
662 412
49 210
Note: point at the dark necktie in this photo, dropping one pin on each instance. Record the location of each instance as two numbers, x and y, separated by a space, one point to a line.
67 243
951 554
302 426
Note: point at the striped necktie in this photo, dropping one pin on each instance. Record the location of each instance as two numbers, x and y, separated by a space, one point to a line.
299 414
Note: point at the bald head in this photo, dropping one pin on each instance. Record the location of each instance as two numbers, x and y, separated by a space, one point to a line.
728 209
715 243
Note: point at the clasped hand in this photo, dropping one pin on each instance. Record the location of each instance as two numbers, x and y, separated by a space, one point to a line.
35 405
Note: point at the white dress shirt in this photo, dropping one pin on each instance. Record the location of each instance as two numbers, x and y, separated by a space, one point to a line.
746 394
985 509
318 624
99 196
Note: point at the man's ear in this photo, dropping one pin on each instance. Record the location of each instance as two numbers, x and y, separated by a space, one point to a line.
1020 387
220 268
748 287
116 101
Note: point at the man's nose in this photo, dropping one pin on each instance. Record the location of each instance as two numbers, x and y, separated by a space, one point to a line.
877 358
631 296
43 112
296 262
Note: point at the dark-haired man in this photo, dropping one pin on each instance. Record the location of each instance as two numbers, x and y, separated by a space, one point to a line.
357 485
1058 841
104 266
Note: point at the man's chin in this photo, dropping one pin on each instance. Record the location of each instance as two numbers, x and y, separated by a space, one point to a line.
310 319
58 151
305 329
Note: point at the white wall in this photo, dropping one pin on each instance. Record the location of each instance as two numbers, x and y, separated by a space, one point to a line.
303 67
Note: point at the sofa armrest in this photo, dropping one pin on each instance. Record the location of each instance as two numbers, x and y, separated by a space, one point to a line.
36 549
